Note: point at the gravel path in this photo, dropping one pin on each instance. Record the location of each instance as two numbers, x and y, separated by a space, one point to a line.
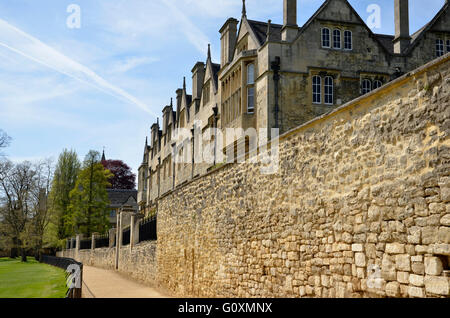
102 283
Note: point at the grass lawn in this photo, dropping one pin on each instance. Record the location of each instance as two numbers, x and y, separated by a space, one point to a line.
30 280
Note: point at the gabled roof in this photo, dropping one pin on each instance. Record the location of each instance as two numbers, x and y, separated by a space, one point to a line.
260 30
386 41
119 197
322 8
418 35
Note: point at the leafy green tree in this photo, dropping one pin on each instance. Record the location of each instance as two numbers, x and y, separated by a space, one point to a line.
89 198
65 176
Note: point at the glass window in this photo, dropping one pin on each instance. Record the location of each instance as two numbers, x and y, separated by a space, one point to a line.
317 88
348 45
250 74
448 46
325 37
377 84
337 39
439 47
366 86
112 213
328 90
250 100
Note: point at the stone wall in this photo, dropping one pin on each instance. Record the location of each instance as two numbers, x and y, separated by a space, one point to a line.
360 207
138 263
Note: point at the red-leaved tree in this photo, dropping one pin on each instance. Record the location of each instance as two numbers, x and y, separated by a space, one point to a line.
123 177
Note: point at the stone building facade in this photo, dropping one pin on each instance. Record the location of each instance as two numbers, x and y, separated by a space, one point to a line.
360 207
279 76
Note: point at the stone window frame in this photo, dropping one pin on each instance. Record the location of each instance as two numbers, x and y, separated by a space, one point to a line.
439 47
337 33
316 93
322 38
346 32
327 86
366 90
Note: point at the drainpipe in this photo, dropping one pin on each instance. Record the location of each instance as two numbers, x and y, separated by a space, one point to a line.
216 111
193 151
275 65
173 164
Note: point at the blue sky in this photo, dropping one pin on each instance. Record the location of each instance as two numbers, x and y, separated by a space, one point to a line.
101 85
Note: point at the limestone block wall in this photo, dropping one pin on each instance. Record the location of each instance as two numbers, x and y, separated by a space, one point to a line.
360 207
138 263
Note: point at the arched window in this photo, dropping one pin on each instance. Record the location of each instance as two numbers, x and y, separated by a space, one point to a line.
325 37
328 94
439 47
337 39
348 43
317 89
377 84
366 86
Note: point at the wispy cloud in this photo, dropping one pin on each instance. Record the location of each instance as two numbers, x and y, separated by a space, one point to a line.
131 63
28 46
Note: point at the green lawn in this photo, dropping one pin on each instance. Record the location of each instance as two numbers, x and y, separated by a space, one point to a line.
30 280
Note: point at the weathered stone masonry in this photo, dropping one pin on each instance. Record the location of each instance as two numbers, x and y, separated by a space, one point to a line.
360 207
365 187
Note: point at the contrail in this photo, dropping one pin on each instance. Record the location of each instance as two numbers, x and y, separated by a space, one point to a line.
31 48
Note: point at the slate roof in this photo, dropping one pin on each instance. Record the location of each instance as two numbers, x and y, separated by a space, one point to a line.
118 197
386 41
260 30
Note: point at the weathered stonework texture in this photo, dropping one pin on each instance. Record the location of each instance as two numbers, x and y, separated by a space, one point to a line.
359 208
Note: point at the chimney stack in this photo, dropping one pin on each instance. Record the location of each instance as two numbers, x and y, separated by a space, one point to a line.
290 27
228 37
198 76
402 36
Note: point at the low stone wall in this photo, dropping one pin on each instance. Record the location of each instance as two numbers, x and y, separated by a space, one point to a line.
139 263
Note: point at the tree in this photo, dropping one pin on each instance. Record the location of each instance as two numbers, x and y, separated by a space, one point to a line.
64 180
4 139
123 177
89 199
17 183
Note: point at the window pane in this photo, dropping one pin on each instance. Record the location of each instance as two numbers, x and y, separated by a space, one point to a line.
439 47
250 74
348 40
326 37
337 39
366 86
250 99
317 89
377 84
448 46
328 90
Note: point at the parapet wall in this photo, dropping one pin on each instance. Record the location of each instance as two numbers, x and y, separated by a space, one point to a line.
360 207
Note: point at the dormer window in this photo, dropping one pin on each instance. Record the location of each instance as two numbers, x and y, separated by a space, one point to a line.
326 38
336 39
439 47
348 43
